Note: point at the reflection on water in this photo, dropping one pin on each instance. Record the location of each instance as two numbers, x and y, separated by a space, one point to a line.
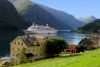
7 36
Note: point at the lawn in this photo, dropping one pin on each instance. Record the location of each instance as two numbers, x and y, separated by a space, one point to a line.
86 59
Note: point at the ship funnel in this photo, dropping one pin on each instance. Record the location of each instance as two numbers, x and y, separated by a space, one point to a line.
33 24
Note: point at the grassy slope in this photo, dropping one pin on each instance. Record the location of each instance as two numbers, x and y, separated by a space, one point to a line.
87 59
21 6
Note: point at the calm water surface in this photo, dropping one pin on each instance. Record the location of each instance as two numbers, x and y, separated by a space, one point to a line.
7 36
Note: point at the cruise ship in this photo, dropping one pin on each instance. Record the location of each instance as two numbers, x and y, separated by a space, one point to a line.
41 29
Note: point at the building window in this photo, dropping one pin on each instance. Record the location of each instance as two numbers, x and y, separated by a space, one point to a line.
12 48
17 55
22 44
13 54
44 39
15 43
36 55
40 49
28 50
24 49
42 43
18 43
40 54
18 49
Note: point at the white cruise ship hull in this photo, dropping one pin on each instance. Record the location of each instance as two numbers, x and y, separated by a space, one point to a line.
41 32
40 29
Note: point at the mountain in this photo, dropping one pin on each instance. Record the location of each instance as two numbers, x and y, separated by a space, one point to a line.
43 15
10 18
92 26
64 17
88 19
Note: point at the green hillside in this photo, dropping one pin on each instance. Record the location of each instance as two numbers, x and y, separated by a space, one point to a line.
92 26
10 18
86 59
23 5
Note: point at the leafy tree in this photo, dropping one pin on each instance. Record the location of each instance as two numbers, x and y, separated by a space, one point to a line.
22 58
55 46
81 47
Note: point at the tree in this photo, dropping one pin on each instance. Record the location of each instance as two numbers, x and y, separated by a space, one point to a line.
55 46
81 48
22 58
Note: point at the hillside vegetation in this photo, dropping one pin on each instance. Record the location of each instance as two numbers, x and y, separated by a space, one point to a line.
10 18
92 27
86 59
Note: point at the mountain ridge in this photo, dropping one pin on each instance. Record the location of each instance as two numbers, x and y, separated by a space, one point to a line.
95 25
10 18
88 19
65 16
35 13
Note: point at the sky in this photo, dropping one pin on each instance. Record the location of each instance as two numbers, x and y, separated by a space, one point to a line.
77 8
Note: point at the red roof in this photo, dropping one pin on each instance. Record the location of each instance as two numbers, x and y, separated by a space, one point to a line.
72 46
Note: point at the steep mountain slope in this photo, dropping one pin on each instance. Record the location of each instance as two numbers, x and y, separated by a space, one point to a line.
88 19
39 14
92 26
9 17
66 18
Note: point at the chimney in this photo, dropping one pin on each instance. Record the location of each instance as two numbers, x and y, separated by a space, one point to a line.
28 36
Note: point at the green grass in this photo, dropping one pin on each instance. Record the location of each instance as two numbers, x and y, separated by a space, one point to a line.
23 5
86 59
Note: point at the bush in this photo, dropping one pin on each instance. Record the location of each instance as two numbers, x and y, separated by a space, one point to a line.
22 57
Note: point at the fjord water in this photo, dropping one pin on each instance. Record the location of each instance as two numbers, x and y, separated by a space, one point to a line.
7 36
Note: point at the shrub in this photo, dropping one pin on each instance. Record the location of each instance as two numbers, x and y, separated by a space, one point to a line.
22 57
